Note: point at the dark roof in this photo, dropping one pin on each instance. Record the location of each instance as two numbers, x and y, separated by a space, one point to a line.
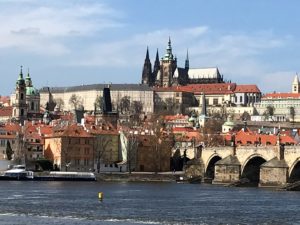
121 87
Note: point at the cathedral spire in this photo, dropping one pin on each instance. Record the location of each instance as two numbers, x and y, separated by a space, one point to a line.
147 55
187 62
169 54
156 63
147 69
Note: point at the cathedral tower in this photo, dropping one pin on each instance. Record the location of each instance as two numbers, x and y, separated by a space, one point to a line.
147 70
168 65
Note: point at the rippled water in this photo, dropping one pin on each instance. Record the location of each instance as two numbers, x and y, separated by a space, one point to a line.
67 203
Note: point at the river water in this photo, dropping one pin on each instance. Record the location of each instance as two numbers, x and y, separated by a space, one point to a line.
67 203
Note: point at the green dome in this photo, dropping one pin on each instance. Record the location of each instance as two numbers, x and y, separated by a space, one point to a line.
31 91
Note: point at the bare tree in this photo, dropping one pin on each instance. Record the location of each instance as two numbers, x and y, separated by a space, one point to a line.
102 148
59 103
162 143
136 109
99 103
125 104
75 101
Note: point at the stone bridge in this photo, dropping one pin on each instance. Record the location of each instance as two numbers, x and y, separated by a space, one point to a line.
264 165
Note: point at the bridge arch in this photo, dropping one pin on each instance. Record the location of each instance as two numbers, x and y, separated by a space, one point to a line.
210 165
294 172
251 168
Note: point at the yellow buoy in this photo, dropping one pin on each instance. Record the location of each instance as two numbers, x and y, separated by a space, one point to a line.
100 196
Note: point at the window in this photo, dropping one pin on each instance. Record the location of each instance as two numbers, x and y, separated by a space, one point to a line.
215 101
22 112
86 151
86 162
32 106
22 96
241 98
86 141
77 162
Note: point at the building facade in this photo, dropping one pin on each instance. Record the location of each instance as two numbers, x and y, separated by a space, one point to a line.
88 94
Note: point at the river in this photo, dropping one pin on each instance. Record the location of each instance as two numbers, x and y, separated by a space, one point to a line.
67 203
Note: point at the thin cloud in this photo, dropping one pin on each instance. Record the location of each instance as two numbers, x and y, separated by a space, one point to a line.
52 24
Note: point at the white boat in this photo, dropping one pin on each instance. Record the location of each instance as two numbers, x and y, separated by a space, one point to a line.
18 172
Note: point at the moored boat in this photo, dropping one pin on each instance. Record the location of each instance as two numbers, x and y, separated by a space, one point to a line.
18 172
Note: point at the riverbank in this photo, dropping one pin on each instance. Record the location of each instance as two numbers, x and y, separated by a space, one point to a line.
138 177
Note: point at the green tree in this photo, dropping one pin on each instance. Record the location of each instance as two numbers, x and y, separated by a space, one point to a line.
269 112
292 114
9 151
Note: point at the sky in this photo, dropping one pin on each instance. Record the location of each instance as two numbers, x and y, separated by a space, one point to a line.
77 42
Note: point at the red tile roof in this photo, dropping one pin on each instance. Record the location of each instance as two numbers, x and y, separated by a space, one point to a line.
175 117
216 88
246 88
182 129
6 111
5 100
251 138
281 95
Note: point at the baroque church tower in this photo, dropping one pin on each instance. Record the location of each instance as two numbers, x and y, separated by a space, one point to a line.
19 105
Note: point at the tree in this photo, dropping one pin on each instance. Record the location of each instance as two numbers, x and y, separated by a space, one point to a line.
59 103
292 114
211 133
269 112
9 151
75 101
136 109
245 116
99 103
125 104
162 143
102 145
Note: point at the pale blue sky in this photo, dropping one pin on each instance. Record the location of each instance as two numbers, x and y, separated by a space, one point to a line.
85 42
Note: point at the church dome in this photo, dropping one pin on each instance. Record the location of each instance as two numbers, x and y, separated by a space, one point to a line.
32 91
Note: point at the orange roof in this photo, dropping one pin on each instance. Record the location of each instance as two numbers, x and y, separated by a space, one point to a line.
175 117
282 95
5 100
246 138
72 131
182 129
246 88
6 111
215 88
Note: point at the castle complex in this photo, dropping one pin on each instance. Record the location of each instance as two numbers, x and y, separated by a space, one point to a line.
166 73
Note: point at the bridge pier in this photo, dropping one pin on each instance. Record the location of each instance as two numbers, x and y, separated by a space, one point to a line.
274 172
227 170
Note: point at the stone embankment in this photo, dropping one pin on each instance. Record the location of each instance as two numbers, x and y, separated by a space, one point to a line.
137 177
